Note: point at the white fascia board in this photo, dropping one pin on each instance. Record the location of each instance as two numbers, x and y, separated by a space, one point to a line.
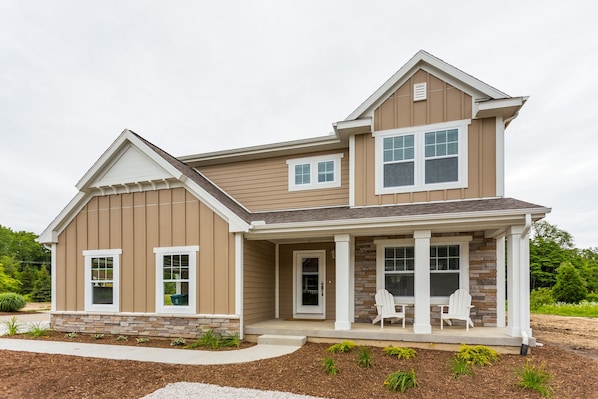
506 107
235 223
439 67
354 126
273 148
115 150
410 222
50 234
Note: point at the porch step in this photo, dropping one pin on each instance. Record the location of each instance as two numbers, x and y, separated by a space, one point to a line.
288 340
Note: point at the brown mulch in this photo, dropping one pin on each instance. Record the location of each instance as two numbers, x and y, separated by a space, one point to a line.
31 375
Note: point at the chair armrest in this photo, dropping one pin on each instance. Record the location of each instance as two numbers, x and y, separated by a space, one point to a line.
401 305
442 308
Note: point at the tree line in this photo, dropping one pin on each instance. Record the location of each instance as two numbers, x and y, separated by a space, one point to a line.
559 270
24 265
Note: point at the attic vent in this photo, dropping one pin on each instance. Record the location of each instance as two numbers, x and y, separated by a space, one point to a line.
419 91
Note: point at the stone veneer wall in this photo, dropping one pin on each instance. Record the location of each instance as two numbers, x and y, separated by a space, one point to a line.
167 326
482 284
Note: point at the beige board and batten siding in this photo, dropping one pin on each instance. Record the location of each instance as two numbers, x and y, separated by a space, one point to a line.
258 281
137 223
287 279
444 103
263 184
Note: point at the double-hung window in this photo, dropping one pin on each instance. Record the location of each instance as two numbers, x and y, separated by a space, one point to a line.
176 279
102 280
421 158
315 172
448 266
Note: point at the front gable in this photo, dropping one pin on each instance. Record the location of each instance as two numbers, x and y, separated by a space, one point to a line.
130 165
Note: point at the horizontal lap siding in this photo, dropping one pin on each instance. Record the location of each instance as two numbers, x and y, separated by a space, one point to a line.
263 185
137 223
444 104
258 281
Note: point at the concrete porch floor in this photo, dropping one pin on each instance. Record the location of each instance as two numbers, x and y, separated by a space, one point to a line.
371 334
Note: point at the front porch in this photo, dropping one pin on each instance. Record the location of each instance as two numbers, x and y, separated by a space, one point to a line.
391 334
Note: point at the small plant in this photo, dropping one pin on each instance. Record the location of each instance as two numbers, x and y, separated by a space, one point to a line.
364 357
344 347
329 366
11 302
534 378
180 341
400 353
460 367
97 336
400 381
230 340
37 330
121 338
141 340
209 339
71 335
479 355
12 326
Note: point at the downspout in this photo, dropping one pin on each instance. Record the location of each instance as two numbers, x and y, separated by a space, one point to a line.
524 337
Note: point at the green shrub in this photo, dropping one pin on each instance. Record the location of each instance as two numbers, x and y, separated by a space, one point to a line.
540 297
11 302
230 340
37 330
207 339
570 287
12 326
180 341
534 378
479 355
592 297
400 381
400 353
460 367
364 357
345 346
329 366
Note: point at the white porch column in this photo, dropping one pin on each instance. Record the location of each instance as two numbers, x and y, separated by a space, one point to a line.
518 280
239 281
500 282
343 282
421 324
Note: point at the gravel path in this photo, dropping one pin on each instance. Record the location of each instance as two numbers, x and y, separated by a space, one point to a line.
191 390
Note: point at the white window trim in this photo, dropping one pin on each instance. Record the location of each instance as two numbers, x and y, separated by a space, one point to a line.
313 162
171 309
462 241
419 157
104 253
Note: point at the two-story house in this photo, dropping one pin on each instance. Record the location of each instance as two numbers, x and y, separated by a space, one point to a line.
407 194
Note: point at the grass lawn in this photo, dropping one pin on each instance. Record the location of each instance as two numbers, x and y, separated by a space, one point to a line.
583 309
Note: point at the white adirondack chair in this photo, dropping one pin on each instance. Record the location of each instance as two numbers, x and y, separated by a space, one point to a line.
459 307
385 304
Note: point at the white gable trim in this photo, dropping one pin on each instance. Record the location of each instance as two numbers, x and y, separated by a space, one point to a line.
174 178
442 70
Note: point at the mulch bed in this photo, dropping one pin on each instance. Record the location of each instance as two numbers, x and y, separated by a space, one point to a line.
27 375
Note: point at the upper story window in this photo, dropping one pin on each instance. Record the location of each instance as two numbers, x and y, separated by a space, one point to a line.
315 172
176 283
102 278
431 157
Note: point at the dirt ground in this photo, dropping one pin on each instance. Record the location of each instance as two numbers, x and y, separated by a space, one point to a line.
570 344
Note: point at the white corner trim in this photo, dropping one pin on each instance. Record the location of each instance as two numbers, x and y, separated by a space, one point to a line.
500 157
352 171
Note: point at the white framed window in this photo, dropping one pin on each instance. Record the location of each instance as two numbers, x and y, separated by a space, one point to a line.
421 158
176 282
102 280
315 172
449 267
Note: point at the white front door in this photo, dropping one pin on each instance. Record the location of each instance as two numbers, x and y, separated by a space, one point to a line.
309 286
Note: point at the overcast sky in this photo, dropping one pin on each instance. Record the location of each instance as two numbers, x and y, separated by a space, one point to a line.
199 76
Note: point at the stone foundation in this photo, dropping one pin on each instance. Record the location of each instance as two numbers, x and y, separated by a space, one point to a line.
150 325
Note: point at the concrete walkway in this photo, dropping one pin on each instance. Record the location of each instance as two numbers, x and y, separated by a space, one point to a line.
122 352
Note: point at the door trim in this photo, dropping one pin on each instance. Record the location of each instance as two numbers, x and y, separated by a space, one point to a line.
321 255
